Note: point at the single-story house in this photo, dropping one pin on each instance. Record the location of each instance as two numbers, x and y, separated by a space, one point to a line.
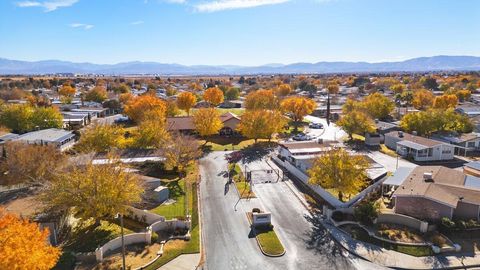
419 148
60 138
92 111
375 139
75 120
466 142
185 124
335 111
302 154
434 192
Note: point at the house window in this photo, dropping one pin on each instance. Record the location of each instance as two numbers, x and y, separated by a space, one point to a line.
471 144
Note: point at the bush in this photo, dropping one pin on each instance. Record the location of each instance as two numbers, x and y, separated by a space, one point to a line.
256 210
154 237
366 212
461 224
338 216
447 223
439 241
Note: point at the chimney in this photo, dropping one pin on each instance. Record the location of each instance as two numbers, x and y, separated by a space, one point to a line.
428 177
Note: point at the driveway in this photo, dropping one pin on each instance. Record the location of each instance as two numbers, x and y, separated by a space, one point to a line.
330 132
227 244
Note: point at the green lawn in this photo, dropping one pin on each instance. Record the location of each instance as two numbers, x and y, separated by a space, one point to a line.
269 242
177 193
177 247
242 186
221 143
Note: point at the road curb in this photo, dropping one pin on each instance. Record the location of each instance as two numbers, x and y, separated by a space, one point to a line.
260 246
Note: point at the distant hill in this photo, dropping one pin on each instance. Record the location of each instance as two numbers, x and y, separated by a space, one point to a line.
435 63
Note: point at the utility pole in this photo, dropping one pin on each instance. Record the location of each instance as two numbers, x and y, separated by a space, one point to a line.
123 240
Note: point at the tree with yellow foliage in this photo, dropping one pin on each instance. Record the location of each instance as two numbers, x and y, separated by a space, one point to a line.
398 88
445 101
207 121
100 138
94 191
298 107
463 95
261 99
377 105
332 87
185 101
124 98
97 94
182 151
340 171
284 90
423 99
356 122
23 245
213 95
30 164
67 92
261 124
150 134
137 108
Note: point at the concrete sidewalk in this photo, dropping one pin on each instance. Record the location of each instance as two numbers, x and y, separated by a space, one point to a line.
183 262
393 259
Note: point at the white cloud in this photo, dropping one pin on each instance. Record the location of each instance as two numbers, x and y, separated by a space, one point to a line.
82 25
220 5
176 1
47 5
136 22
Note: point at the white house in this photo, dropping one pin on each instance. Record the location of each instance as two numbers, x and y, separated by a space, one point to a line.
419 148
62 139
302 154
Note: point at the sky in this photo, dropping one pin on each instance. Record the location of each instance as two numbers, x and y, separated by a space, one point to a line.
237 32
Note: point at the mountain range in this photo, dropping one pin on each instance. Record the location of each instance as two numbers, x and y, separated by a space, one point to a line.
434 63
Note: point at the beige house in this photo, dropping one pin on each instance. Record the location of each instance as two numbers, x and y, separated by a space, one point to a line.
185 124
434 192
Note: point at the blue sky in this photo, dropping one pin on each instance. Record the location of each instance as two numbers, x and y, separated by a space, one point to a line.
242 32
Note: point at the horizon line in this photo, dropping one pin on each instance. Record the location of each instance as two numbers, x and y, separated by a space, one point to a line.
258 65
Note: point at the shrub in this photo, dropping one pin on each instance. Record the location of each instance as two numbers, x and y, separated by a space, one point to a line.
338 216
447 224
461 224
472 224
154 237
439 241
256 210
366 212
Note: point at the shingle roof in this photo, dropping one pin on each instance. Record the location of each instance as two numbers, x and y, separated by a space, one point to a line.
448 186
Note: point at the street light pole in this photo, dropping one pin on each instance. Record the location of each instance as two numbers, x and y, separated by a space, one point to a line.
123 240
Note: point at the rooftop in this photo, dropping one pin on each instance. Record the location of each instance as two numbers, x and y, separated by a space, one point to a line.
414 138
448 186
46 135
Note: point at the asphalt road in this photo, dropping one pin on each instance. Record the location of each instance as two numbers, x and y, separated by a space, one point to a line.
330 132
225 231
